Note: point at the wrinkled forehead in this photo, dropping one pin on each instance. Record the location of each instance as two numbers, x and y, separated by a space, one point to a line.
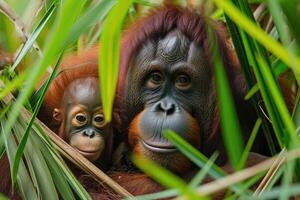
83 91
173 48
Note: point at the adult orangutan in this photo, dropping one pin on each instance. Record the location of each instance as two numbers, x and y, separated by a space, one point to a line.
170 85
167 80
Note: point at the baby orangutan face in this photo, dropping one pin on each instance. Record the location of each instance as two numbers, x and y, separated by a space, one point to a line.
82 120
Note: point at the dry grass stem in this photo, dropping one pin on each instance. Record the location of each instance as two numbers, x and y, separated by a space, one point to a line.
20 26
270 174
259 11
33 11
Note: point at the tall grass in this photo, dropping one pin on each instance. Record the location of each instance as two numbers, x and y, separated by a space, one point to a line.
267 47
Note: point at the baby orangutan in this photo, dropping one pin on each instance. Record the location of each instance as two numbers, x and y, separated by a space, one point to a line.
81 118
72 108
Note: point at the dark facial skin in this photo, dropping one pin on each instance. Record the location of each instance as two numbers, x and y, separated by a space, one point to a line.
82 118
168 87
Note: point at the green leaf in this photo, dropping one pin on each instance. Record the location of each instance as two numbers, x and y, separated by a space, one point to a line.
192 153
68 175
39 169
34 35
246 47
292 190
256 32
199 177
290 9
109 57
69 12
165 177
228 114
158 195
90 18
282 110
26 187
250 143
23 141
58 175
197 157
251 92
15 83
279 20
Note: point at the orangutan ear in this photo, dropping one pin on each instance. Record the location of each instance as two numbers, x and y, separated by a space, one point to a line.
57 114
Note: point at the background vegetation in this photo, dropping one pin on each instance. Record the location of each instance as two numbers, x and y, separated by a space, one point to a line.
37 33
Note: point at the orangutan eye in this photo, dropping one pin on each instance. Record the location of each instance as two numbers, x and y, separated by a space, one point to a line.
80 117
99 120
155 80
183 82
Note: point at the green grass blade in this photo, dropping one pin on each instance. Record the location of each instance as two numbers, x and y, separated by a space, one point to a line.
58 175
23 178
109 57
90 18
40 169
290 9
15 83
199 177
292 190
287 178
72 180
197 157
69 12
246 48
2 151
228 115
192 153
165 177
279 68
252 92
252 29
250 143
34 35
245 52
280 23
23 141
4 109
277 97
296 112
153 196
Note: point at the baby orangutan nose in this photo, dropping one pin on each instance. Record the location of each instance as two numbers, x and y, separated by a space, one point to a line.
90 133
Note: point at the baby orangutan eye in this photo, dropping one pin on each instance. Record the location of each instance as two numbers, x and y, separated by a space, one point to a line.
80 119
99 120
